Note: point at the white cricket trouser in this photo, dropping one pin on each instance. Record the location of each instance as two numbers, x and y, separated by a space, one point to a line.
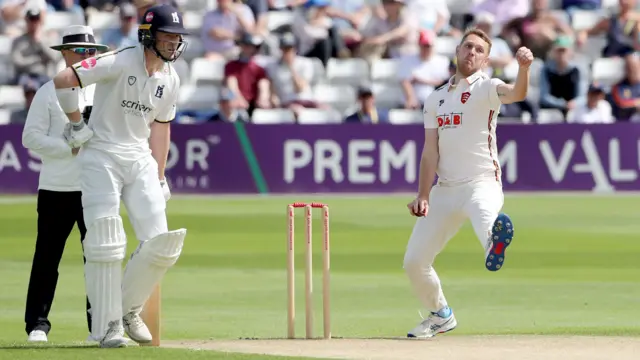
105 180
449 207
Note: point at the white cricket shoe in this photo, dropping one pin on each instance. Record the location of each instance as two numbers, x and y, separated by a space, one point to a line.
431 326
114 337
136 328
37 336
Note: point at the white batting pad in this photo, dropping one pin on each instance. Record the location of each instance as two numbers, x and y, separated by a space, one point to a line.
147 267
104 247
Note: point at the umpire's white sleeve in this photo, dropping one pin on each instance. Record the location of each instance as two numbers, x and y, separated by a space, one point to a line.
36 134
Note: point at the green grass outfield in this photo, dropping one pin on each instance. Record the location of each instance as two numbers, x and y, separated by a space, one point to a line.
572 269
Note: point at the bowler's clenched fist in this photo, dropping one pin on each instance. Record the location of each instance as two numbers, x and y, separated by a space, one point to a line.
524 56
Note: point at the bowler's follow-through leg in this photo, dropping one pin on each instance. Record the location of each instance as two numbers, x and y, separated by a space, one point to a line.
493 229
502 233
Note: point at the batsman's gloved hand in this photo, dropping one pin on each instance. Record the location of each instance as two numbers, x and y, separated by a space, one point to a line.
77 134
166 192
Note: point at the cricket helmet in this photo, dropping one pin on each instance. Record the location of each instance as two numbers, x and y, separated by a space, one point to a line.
162 18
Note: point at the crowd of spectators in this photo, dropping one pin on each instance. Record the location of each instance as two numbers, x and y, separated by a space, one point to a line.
372 61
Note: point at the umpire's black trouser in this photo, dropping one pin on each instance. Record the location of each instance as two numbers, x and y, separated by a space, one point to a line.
58 212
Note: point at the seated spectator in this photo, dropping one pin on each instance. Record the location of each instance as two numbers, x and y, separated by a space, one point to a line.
349 17
596 110
516 110
12 15
222 26
30 85
623 35
226 111
291 78
622 30
572 5
500 55
72 6
259 9
420 74
29 52
562 84
141 5
503 11
625 95
246 79
392 35
127 33
433 15
537 31
368 113
317 36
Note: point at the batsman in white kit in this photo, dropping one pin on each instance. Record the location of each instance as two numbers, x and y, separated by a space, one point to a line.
460 148
123 156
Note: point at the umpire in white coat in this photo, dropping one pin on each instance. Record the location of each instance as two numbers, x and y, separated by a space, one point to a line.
59 197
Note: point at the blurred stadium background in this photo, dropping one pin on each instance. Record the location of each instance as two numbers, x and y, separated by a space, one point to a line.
382 54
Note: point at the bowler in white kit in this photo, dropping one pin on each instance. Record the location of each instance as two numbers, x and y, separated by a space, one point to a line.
460 148
123 155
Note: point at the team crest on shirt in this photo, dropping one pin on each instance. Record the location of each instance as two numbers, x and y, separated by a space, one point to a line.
160 91
131 80
464 97
89 63
449 121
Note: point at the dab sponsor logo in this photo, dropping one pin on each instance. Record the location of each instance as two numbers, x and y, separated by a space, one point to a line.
135 108
449 121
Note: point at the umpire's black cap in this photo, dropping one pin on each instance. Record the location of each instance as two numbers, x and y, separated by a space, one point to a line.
164 18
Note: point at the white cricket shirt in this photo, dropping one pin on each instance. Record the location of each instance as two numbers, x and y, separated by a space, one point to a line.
465 116
42 134
127 101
